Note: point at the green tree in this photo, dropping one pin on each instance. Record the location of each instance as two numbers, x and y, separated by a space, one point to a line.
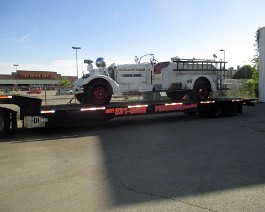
245 72
255 59
251 87
65 82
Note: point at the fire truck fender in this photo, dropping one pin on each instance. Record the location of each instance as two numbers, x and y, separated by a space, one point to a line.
115 87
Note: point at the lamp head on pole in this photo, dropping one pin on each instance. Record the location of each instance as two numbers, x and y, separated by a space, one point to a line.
222 50
76 47
16 65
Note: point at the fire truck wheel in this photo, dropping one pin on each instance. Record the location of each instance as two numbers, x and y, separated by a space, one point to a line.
200 91
98 93
79 97
4 123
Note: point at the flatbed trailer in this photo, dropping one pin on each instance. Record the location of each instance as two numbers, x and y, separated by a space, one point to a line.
34 115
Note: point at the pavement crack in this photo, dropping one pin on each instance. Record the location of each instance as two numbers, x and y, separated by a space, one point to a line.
160 196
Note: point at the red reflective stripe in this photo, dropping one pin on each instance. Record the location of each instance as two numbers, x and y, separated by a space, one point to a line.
5 97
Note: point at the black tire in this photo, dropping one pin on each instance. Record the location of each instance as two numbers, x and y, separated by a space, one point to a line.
231 111
175 95
215 113
97 93
4 123
189 113
200 91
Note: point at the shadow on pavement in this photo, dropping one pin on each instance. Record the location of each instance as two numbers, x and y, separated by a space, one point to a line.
170 160
171 156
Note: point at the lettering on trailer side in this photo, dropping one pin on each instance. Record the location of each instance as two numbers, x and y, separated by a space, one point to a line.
109 111
177 107
126 111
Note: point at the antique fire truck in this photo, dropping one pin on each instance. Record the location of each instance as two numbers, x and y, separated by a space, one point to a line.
178 77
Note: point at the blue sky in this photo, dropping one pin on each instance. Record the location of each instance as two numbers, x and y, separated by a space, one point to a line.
39 34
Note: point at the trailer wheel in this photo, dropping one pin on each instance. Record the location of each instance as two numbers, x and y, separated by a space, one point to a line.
231 111
200 91
190 113
4 123
215 113
98 93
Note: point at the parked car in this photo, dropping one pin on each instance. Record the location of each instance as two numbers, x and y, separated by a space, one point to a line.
34 91
66 91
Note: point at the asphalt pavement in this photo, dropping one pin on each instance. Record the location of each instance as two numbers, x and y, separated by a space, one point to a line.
166 162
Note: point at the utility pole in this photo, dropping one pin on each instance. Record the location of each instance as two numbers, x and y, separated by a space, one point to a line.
76 48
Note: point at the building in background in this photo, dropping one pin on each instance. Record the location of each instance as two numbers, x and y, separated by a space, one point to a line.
23 80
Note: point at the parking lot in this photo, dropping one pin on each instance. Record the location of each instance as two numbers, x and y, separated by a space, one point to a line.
167 162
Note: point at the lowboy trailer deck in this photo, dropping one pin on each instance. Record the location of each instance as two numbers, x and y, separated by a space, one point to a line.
34 115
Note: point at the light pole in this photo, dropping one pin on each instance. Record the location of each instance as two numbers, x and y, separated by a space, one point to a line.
16 65
245 69
222 50
76 48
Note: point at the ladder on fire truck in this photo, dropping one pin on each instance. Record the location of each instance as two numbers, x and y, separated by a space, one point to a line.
203 64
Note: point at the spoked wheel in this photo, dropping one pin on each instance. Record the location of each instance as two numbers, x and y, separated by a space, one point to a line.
201 91
98 93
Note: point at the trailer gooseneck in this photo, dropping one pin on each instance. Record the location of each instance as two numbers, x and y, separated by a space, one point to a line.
33 115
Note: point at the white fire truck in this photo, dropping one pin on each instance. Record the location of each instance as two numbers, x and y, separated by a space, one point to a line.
178 77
